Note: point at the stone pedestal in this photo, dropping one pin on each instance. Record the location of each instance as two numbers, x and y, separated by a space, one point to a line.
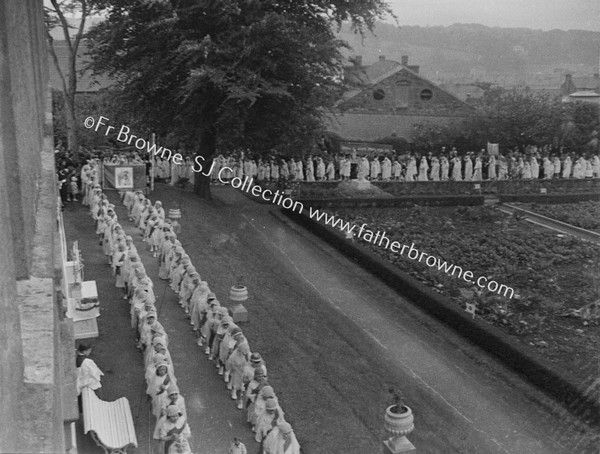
397 445
240 314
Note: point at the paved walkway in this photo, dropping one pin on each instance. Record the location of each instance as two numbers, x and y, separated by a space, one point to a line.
214 420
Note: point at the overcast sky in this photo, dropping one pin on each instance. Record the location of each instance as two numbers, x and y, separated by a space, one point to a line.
536 14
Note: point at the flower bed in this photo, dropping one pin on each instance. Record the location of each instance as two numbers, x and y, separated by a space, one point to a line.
551 275
584 214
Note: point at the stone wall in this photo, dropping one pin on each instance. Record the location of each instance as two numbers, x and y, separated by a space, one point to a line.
31 355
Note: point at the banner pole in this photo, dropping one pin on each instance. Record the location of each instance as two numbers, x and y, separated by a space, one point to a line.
152 142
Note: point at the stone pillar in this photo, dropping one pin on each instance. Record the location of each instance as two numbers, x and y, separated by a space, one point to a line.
11 353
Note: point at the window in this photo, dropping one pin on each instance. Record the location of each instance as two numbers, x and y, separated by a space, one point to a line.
426 94
378 94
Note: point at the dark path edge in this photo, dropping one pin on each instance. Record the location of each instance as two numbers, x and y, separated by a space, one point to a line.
556 383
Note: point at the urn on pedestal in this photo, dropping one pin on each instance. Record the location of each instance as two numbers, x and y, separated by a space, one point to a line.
399 422
175 214
237 294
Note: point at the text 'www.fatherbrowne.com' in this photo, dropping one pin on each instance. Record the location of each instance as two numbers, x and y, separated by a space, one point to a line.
381 239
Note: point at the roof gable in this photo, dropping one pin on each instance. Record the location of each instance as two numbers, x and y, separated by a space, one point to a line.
400 89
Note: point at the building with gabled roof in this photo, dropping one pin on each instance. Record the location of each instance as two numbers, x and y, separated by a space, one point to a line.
573 84
389 98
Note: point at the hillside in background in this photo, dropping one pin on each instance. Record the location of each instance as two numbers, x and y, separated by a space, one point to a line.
472 52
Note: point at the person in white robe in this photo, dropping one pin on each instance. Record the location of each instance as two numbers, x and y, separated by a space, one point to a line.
567 167
299 170
173 428
320 170
274 167
468 168
578 169
491 165
310 169
527 171
330 170
272 415
548 168
588 171
88 373
423 169
445 168
477 170
411 169
535 168
435 169
363 168
375 169
556 164
596 166
457 169
281 440
284 171
397 170
386 169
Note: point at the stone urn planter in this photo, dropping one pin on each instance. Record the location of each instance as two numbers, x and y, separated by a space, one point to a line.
238 293
174 213
399 422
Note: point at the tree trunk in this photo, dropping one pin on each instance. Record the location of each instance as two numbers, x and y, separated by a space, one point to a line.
207 149
72 138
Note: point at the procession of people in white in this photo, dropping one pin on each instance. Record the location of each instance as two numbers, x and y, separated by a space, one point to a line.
445 166
224 343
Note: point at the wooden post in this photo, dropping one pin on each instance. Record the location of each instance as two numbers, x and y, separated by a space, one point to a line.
152 142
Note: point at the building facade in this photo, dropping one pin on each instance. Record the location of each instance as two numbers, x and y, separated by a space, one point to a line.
37 345
389 99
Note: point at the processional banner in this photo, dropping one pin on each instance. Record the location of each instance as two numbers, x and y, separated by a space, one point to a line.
121 177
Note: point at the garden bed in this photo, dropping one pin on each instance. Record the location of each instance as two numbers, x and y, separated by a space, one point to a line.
552 275
584 214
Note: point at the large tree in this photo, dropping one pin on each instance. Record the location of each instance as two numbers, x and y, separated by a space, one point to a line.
228 73
56 15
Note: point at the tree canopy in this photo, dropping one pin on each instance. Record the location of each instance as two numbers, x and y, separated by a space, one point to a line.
232 73
515 118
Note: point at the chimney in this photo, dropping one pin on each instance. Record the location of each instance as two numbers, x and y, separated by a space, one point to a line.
405 60
381 57
358 60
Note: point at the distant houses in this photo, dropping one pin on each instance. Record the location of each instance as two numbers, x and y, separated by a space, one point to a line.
582 89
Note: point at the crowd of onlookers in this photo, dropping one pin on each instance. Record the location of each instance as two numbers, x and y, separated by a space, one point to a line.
221 339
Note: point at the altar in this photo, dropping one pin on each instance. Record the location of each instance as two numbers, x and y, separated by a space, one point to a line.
81 296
